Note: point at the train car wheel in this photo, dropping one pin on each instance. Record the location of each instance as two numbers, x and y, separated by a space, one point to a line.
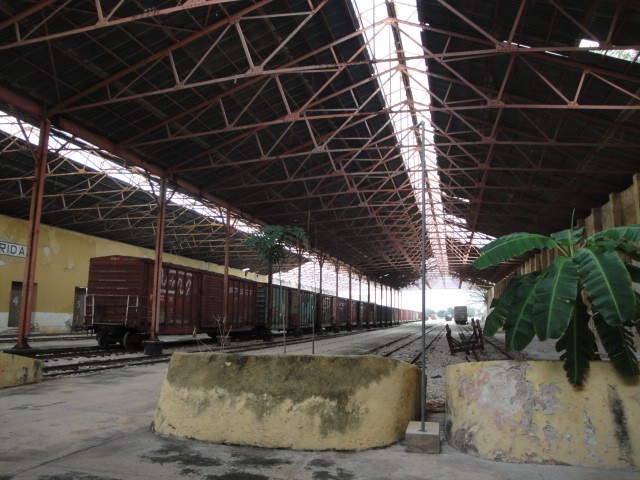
131 340
103 339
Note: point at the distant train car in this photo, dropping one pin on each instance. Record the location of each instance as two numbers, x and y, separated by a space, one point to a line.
303 310
241 306
280 308
326 313
342 319
366 314
355 320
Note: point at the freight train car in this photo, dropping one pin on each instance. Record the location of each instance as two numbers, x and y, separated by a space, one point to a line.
366 313
291 311
326 313
303 310
120 295
343 321
119 303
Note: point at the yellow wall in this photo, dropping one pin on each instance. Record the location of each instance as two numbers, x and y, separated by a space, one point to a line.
63 265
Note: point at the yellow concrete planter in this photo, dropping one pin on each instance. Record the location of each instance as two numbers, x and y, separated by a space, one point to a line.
527 412
17 370
297 402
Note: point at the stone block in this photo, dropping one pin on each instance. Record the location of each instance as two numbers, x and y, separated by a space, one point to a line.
418 441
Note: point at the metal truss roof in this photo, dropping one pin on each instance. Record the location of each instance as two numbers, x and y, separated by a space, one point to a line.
276 111
528 125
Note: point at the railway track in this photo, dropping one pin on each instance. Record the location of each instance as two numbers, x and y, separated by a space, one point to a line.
418 358
82 360
404 350
65 337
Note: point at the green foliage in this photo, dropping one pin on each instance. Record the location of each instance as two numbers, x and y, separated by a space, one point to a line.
618 343
496 319
579 346
509 246
568 237
273 242
518 325
555 299
591 281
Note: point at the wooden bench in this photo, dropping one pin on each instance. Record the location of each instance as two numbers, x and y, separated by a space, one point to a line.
476 341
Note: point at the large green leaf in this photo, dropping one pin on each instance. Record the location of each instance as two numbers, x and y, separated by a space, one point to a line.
618 343
509 246
608 283
579 346
629 250
634 273
555 298
518 325
629 233
495 319
568 237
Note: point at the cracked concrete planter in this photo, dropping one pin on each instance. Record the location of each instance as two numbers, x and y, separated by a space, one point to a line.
527 412
288 401
18 370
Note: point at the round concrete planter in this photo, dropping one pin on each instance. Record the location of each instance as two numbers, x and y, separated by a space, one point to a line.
527 412
308 402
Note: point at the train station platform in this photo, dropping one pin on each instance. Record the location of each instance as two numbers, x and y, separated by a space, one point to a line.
98 427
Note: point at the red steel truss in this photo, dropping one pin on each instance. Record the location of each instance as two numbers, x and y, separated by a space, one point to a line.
306 112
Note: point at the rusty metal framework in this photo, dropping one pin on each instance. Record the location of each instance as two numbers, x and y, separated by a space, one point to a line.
306 112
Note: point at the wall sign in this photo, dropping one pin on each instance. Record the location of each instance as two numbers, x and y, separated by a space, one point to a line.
13 249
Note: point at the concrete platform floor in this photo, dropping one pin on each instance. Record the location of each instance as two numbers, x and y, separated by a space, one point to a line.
97 427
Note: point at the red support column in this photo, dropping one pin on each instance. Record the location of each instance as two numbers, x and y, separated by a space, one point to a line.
368 290
335 303
350 302
320 312
370 310
299 326
225 280
35 212
157 272
361 309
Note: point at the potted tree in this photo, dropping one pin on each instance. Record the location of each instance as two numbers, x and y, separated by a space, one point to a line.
526 411
584 282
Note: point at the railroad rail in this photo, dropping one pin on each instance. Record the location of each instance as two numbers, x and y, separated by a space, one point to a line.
82 360
417 359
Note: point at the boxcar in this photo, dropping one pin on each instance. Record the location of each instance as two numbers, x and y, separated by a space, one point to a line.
342 321
355 320
366 314
290 311
241 306
326 313
120 295
280 308
303 310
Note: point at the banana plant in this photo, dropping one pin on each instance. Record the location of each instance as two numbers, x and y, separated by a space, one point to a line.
586 281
